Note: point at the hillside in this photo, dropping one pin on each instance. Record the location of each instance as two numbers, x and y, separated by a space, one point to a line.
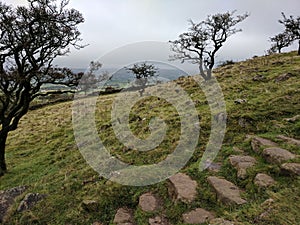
262 99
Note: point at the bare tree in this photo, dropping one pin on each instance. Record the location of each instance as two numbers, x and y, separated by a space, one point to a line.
292 28
30 39
142 72
203 40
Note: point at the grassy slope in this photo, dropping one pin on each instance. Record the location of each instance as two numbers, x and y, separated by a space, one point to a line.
42 153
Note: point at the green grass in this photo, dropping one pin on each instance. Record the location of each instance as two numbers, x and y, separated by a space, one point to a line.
42 152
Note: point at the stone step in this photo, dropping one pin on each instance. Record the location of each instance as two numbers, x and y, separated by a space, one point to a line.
291 168
198 216
242 163
227 192
183 188
149 202
289 140
264 180
257 143
159 220
277 155
124 216
220 221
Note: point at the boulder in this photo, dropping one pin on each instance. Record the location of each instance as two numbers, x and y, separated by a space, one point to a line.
149 202
7 199
226 191
257 143
276 155
183 188
30 201
242 163
198 216
291 168
264 180
289 140
124 216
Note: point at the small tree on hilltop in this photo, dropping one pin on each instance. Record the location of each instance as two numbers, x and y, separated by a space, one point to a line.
89 80
280 41
142 72
204 40
30 39
292 28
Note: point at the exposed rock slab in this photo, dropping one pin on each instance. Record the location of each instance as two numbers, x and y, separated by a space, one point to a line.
242 163
183 188
159 220
124 216
264 180
198 216
226 191
277 155
257 143
289 140
7 199
149 202
291 168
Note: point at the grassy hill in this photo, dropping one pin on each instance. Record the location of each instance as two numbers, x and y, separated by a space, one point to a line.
260 94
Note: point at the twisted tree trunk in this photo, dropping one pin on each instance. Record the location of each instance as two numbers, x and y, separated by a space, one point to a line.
3 167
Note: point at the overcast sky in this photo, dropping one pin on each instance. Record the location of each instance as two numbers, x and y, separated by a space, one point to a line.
111 24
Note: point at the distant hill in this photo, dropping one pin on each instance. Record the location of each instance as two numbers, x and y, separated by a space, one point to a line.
121 76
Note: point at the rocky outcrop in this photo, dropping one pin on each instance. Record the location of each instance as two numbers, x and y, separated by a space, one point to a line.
7 199
226 191
242 163
277 155
183 188
198 216
30 201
